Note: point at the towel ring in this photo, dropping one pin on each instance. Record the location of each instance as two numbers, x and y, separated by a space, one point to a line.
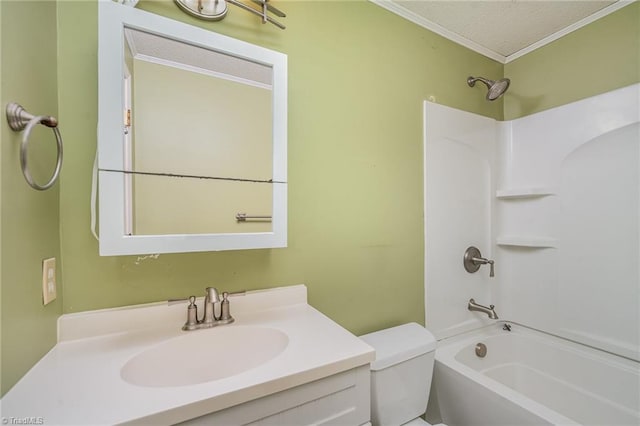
19 119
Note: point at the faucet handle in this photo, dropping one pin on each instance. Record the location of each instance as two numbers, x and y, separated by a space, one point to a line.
225 312
472 260
192 315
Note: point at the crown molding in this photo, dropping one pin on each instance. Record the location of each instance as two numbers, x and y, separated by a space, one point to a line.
470 44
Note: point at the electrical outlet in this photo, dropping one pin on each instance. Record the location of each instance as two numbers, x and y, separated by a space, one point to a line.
48 280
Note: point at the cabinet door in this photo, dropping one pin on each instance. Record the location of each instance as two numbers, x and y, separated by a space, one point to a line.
341 399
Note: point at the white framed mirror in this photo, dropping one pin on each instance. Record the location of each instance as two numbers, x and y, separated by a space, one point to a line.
192 138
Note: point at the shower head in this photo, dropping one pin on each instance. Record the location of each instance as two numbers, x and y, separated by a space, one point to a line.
496 88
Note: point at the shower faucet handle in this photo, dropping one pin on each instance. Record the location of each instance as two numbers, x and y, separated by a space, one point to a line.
473 259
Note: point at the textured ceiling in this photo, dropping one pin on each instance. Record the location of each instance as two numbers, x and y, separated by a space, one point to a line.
502 27
154 48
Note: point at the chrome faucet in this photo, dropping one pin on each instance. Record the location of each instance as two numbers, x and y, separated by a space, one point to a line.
490 311
211 298
209 319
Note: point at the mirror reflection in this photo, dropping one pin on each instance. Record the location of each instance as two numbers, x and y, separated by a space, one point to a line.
199 139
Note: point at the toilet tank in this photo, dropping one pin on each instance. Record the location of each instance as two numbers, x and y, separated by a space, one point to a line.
401 373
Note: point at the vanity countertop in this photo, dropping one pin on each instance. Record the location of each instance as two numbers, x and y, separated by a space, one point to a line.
79 381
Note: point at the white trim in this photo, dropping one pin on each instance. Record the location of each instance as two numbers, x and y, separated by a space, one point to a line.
391 6
192 68
130 43
127 152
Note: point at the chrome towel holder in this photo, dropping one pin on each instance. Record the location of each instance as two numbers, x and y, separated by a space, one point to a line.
19 119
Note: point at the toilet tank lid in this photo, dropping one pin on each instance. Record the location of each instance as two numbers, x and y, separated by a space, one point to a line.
398 344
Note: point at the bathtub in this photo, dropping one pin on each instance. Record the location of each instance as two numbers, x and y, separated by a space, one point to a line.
531 378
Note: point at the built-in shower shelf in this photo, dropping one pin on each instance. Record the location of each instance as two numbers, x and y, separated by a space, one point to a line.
531 192
526 241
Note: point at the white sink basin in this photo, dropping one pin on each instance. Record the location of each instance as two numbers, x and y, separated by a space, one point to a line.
204 355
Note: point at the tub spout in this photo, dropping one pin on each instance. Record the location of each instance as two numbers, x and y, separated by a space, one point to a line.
490 311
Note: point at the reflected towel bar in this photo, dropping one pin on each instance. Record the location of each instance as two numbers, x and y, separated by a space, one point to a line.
243 217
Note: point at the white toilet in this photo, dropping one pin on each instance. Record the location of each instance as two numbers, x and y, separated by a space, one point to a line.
401 374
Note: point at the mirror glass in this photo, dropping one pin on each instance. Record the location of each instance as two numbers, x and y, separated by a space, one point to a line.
217 108
198 159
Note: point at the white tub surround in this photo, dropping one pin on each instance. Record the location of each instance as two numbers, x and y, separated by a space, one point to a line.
554 199
79 381
459 160
533 378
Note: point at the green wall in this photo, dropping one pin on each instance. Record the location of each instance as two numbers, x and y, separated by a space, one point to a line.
598 58
29 218
357 78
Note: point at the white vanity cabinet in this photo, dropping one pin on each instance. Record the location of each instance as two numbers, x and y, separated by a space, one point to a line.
341 399
135 365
